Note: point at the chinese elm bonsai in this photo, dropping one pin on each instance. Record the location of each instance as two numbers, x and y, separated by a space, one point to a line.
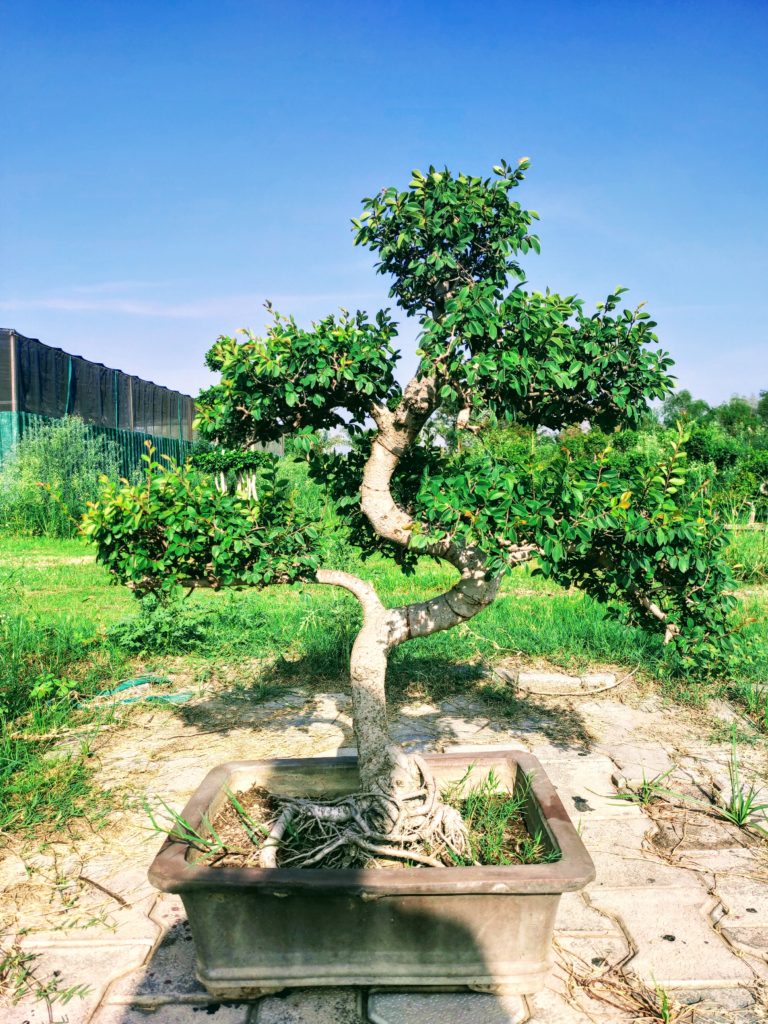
638 538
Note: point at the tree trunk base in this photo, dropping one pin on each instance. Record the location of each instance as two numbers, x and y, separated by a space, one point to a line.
399 818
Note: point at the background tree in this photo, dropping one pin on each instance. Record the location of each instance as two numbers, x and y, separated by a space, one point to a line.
682 405
738 416
451 245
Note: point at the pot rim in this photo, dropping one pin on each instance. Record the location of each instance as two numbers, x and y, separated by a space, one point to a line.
172 872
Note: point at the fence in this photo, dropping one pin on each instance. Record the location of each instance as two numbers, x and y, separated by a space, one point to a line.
131 444
39 383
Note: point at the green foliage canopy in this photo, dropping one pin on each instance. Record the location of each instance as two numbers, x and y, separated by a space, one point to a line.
175 529
451 244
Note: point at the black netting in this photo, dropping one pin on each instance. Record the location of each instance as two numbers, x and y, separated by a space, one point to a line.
42 378
124 414
50 382
6 384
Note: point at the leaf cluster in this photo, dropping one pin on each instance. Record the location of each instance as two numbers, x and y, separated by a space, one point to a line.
543 361
216 459
175 528
295 378
445 231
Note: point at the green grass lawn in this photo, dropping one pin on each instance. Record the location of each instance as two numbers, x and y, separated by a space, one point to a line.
59 582
61 618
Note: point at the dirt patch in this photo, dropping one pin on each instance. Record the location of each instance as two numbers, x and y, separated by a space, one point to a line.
46 561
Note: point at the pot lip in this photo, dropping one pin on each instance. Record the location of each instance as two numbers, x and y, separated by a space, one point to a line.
171 872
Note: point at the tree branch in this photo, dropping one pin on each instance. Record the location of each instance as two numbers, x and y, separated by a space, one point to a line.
363 591
671 630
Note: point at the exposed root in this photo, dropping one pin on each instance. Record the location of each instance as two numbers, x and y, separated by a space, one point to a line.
413 826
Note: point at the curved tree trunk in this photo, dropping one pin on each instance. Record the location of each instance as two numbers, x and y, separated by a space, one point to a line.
382 766
368 670
398 813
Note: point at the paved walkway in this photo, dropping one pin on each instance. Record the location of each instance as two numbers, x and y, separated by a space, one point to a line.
680 903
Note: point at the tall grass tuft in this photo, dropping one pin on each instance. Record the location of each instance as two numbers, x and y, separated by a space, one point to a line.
747 555
39 785
50 475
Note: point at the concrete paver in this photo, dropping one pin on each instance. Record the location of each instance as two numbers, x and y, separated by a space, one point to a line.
68 966
586 788
673 934
310 1006
576 917
601 952
638 763
745 900
551 1007
441 1007
167 977
680 898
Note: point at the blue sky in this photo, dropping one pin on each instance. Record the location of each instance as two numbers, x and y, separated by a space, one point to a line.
168 166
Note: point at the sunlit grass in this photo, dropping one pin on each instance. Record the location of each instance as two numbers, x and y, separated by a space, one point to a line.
59 614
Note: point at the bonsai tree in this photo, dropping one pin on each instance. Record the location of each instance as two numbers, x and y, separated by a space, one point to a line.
488 350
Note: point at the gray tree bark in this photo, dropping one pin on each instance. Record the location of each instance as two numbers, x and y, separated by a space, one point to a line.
383 767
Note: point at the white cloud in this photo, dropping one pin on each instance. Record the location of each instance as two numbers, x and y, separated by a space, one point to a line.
84 301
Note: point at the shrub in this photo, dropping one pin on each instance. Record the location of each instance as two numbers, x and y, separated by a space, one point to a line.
50 476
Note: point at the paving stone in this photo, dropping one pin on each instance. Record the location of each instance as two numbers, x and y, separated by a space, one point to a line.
595 951
672 932
725 998
637 763
476 731
123 927
69 967
444 1007
550 1007
721 861
576 917
555 684
616 848
630 869
13 871
682 831
708 1014
513 743
721 1006
310 1006
598 680
216 1013
744 899
624 834
129 881
749 940
585 787
545 683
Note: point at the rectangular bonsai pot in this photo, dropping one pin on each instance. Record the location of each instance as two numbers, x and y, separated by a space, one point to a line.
485 928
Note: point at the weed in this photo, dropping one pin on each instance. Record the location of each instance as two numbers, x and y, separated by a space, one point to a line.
649 790
742 808
255 830
68 459
624 991
495 822
748 555
18 979
206 840
722 731
50 686
754 696
164 820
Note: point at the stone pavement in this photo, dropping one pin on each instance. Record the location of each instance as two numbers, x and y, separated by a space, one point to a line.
680 903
